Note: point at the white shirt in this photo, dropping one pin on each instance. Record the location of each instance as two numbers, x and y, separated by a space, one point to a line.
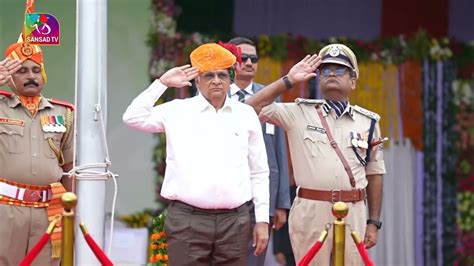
234 89
214 159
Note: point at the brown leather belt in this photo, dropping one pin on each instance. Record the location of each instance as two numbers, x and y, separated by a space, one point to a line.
333 195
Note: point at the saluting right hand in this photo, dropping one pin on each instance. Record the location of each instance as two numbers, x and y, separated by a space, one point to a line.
304 69
7 68
179 77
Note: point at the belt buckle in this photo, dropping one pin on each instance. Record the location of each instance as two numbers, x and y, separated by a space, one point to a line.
333 196
32 195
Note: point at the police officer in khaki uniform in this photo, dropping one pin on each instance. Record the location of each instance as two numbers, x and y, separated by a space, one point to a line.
335 152
36 147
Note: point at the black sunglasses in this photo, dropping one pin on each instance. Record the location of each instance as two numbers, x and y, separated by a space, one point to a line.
253 58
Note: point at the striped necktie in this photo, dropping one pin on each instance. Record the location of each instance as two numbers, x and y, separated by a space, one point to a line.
241 94
338 106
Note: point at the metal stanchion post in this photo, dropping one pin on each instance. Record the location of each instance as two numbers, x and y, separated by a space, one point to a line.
69 201
339 210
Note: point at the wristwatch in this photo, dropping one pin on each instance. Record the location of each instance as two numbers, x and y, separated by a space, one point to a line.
287 82
377 224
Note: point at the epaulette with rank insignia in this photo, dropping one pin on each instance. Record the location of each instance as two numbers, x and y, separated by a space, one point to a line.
309 101
367 113
5 93
61 102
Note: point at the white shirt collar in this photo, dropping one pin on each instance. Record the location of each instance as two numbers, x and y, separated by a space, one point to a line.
234 89
203 104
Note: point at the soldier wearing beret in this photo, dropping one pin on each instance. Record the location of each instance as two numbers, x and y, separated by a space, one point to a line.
36 147
216 162
334 151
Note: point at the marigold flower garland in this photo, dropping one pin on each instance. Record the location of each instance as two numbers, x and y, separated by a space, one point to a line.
158 245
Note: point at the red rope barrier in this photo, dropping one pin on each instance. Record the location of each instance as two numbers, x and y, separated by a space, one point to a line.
361 248
311 253
315 248
98 252
30 257
364 254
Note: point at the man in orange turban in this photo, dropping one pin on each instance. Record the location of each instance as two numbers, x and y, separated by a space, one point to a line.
24 51
36 147
216 162
209 59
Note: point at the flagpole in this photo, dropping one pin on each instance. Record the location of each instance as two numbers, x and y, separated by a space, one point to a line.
91 90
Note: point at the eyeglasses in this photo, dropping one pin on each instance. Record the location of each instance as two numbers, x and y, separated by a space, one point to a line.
224 76
253 58
338 70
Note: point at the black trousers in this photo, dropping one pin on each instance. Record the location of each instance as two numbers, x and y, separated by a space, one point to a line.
207 237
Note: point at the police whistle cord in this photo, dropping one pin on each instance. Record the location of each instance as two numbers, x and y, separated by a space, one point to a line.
361 248
31 256
315 248
98 252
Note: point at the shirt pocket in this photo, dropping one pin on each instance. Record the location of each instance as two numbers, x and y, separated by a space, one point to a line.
315 142
238 142
11 137
55 139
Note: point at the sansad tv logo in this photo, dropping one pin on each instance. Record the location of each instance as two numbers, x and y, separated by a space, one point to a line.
41 28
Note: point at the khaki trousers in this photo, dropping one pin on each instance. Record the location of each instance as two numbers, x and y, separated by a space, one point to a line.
207 237
307 220
20 229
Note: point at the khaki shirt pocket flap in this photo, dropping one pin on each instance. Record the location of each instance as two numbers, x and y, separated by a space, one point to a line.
315 136
10 129
315 143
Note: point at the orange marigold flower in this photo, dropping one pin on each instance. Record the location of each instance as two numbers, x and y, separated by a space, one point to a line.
165 257
155 246
152 259
155 236
159 257
161 234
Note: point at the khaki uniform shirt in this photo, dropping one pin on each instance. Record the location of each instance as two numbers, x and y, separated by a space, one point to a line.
25 155
315 163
